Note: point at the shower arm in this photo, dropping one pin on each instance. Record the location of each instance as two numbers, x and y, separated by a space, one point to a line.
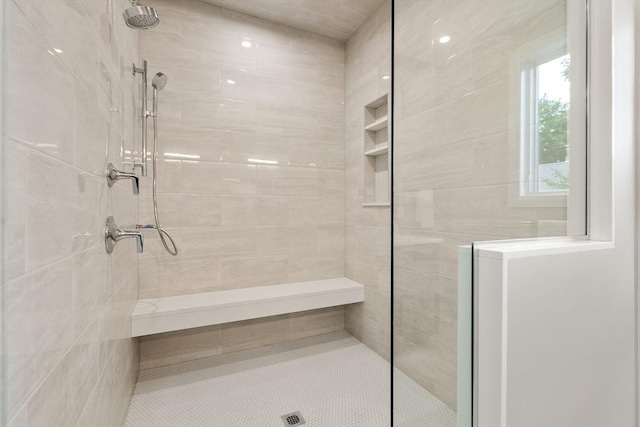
145 115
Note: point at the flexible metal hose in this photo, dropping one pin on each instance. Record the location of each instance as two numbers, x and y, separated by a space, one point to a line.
161 232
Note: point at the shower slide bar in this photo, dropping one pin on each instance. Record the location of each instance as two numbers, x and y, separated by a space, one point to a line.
157 315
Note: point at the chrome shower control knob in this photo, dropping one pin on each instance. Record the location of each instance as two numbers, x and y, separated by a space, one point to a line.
113 234
114 175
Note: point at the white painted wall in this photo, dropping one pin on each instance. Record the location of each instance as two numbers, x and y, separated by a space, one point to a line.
556 324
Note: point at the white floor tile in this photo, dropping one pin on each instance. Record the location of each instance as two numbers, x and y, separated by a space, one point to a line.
333 380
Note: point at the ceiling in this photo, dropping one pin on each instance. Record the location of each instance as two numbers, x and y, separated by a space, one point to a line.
337 19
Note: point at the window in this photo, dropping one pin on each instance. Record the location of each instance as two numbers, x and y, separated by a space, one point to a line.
544 126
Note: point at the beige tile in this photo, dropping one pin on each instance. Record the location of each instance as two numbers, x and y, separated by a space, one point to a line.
481 210
254 333
160 273
254 210
331 238
180 346
289 181
316 322
50 402
182 210
435 334
279 60
331 182
81 372
245 85
332 74
206 177
303 209
169 177
19 419
430 292
165 45
309 153
286 239
331 128
203 42
89 287
192 11
244 272
246 25
217 241
39 328
219 113
198 273
90 131
315 97
185 78
431 372
287 122
254 148
43 91
16 197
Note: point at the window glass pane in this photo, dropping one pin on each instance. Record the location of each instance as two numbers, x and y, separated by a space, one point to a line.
553 88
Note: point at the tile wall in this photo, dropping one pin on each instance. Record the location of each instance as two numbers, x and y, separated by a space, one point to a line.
456 161
251 167
368 229
70 109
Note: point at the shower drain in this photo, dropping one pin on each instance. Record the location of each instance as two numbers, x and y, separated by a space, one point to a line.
293 419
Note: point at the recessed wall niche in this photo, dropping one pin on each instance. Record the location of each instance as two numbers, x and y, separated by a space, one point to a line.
376 153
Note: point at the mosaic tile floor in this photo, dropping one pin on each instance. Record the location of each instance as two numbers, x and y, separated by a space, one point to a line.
333 380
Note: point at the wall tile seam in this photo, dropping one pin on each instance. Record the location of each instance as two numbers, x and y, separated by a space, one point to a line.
118 186
77 80
94 390
429 271
446 362
256 74
293 103
24 12
57 365
412 304
400 117
235 227
288 166
30 146
69 258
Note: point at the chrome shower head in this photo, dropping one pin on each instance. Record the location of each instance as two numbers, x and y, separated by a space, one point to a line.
140 17
159 81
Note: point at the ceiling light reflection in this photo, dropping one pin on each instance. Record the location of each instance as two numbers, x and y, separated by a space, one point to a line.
182 156
263 162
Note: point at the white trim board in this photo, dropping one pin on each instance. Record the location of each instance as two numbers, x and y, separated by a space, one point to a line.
158 315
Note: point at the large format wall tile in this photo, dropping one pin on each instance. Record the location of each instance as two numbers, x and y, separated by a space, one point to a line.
72 107
368 229
251 180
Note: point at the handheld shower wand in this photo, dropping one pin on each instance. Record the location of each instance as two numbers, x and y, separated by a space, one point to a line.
158 83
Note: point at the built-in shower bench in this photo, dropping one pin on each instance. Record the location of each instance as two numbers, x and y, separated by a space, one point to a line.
157 315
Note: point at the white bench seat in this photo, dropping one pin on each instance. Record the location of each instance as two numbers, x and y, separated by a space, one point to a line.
174 313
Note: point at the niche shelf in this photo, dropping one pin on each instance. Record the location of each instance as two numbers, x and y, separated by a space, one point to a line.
376 153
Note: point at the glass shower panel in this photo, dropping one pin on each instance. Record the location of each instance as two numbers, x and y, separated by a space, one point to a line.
488 144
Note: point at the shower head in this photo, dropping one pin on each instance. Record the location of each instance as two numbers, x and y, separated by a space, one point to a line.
159 81
140 17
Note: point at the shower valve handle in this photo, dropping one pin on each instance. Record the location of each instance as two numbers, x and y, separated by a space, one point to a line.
113 234
114 175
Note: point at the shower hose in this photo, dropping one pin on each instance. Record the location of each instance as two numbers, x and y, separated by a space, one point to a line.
173 250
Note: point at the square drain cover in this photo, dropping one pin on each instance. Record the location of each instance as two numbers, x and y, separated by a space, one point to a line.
293 419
